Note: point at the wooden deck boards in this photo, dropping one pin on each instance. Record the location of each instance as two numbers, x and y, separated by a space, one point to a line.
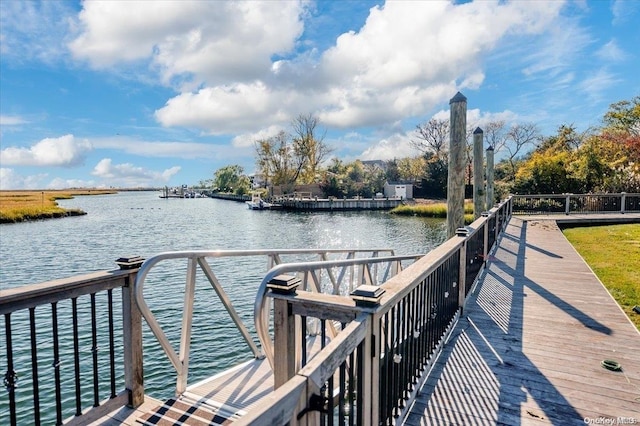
529 347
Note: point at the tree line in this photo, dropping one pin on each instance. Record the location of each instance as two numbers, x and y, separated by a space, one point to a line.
605 158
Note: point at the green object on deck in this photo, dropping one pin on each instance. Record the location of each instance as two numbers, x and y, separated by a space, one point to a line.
612 365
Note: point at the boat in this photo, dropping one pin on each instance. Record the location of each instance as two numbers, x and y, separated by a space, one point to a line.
257 203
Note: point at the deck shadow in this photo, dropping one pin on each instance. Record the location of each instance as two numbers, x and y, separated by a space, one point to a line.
483 375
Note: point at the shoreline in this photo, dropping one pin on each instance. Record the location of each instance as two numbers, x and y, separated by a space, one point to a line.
31 205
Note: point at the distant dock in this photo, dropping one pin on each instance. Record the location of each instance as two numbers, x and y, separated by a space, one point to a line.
304 202
337 204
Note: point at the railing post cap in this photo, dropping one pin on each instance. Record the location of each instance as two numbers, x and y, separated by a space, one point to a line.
129 262
284 284
367 295
463 231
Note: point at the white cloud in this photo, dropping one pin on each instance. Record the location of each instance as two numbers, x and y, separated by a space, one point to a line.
623 11
228 109
128 175
611 52
597 83
395 146
60 183
34 30
11 120
10 179
405 60
554 53
160 149
246 140
213 40
65 151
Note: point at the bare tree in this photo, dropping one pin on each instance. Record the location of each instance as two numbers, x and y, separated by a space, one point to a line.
433 137
518 138
495 134
274 159
309 149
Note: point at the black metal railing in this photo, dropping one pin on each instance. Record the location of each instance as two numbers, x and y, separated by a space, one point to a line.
576 203
474 258
64 348
410 331
406 323
336 401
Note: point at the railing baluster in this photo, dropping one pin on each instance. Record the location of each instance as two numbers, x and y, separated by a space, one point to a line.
341 396
330 401
112 350
351 393
94 350
76 355
303 340
10 376
34 365
56 361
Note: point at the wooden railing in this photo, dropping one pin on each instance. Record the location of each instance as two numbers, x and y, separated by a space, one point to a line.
371 371
72 337
576 203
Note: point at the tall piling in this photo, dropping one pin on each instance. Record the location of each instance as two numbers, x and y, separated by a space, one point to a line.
478 174
455 177
490 196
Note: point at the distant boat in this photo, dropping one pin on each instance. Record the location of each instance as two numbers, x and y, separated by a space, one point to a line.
257 203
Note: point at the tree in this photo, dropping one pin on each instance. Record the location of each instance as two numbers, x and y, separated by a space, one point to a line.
432 137
286 159
412 169
231 179
567 139
545 173
274 159
624 116
495 135
519 137
309 150
392 170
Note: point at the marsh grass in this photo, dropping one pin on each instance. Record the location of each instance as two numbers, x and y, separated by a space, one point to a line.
437 210
20 206
613 253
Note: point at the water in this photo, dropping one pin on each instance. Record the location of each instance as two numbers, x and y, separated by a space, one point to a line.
140 223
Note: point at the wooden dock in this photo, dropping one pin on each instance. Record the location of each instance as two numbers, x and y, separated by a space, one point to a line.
529 347
528 350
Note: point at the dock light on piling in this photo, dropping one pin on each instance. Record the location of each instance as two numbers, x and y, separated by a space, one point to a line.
129 262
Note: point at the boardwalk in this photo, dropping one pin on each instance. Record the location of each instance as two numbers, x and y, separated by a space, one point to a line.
528 350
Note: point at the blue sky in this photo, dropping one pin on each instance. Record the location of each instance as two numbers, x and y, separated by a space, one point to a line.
154 93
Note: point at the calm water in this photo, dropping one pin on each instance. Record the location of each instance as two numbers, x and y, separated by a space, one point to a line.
140 223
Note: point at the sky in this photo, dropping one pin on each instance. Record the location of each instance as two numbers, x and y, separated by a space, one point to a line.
115 94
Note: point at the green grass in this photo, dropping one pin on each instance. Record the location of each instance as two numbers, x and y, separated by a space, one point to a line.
437 210
613 252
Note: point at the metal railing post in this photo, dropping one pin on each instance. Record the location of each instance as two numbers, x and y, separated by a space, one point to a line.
623 200
567 204
485 232
462 270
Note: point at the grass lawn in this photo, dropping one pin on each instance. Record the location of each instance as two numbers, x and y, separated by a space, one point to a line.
19 206
613 252
437 210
